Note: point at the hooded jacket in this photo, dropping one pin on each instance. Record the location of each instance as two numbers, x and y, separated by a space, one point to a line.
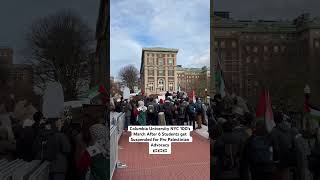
304 144
58 145
282 137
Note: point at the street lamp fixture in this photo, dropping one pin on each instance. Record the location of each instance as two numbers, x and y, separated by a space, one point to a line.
307 89
307 92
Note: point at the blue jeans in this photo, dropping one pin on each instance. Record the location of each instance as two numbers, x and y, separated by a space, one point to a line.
127 122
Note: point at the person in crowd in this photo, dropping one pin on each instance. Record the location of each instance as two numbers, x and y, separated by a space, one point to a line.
153 111
127 110
212 123
218 106
134 113
282 138
182 109
191 111
119 105
199 112
167 94
307 148
161 102
94 162
142 110
29 132
314 158
259 155
204 114
53 146
168 112
228 150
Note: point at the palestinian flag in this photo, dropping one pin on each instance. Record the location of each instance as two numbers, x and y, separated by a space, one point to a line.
193 96
93 92
264 112
220 84
97 90
312 112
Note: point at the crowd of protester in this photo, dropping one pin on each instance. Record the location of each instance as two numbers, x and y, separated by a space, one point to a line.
175 109
242 148
82 154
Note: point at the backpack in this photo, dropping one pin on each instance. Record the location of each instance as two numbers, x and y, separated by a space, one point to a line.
151 108
260 151
191 110
46 146
199 108
287 155
167 110
230 161
182 110
314 159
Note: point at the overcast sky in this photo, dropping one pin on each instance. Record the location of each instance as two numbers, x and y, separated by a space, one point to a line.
182 24
268 9
17 15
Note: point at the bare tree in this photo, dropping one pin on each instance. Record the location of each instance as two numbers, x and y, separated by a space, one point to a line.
60 48
129 76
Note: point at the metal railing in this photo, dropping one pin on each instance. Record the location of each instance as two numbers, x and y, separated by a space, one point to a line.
20 170
116 129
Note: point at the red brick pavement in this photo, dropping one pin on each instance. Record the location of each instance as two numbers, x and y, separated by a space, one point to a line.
188 161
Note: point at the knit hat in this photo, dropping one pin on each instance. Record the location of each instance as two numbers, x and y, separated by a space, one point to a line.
98 131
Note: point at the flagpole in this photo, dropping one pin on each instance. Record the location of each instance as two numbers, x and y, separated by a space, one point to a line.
222 83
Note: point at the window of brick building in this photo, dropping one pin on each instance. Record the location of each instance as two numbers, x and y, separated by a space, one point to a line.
248 48
170 61
171 86
234 44
223 44
276 49
248 59
265 48
172 55
161 72
215 44
170 72
255 49
160 62
151 72
151 86
234 55
317 44
161 84
283 48
150 61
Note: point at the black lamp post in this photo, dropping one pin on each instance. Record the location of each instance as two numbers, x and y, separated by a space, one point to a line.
307 93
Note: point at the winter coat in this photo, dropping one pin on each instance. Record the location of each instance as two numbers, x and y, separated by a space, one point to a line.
142 110
28 135
60 148
95 163
303 144
127 110
219 150
282 137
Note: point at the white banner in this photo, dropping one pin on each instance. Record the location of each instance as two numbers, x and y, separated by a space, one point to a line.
53 100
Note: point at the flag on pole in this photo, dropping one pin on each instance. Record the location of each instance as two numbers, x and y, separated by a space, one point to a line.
220 84
93 92
264 112
193 96
312 112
